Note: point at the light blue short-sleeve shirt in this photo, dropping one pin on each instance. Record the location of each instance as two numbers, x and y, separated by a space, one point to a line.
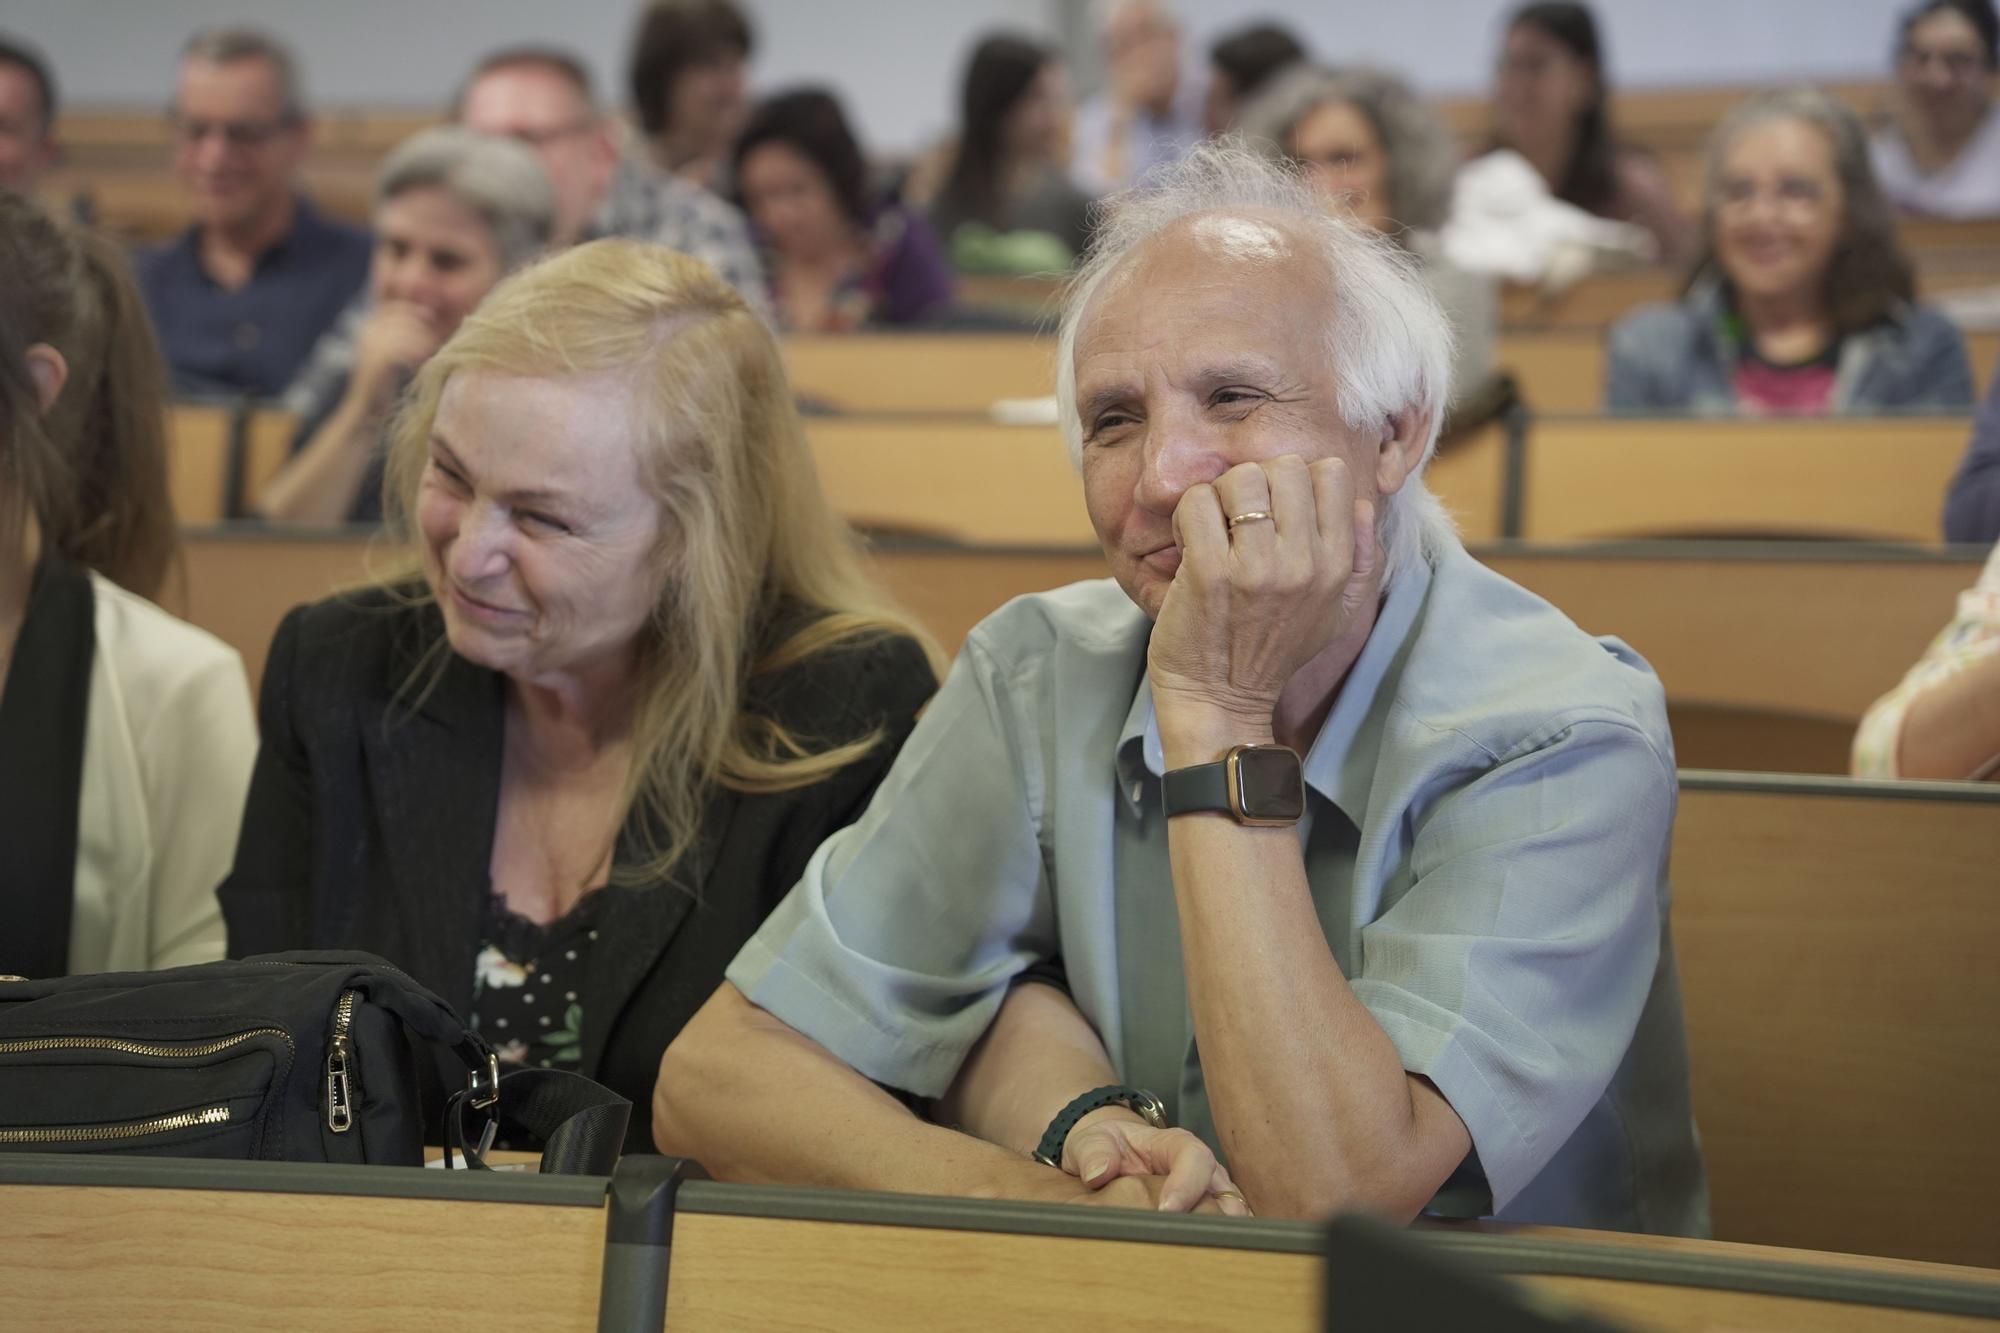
1489 806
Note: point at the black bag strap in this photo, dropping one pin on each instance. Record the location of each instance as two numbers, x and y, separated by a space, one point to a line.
580 1122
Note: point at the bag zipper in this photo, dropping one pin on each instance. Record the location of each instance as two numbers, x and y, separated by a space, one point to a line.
339 1084
156 1049
166 1124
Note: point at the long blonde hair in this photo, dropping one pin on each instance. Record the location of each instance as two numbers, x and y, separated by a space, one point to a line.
746 532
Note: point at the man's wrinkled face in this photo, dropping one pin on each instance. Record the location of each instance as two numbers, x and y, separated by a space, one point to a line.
1207 348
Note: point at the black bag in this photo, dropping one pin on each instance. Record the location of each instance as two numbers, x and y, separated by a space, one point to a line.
302 1057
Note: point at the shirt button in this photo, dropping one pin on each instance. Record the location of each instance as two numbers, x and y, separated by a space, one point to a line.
247 337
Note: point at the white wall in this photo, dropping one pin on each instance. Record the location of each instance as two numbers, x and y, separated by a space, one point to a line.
896 61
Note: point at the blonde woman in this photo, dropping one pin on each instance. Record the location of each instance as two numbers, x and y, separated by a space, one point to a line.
562 771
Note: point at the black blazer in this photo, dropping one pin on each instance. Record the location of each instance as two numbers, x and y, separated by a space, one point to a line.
371 817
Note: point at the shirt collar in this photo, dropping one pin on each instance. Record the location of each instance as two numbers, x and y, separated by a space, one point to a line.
1336 767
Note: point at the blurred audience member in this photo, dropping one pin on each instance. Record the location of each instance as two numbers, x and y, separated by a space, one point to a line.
1240 65
126 736
836 259
1940 152
543 98
1143 118
240 299
1008 205
27 116
1551 105
1801 297
1370 144
454 213
1972 505
688 86
1943 721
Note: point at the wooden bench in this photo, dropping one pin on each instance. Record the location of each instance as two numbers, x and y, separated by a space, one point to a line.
1881 478
1560 371
1836 943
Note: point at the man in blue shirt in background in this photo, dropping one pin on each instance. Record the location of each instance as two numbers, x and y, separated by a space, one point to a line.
241 297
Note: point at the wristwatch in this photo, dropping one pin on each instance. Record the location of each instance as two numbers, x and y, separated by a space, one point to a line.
1150 1108
1260 785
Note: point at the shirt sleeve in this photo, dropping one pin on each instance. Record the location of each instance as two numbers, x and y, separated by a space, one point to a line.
896 948
1972 636
1513 972
1972 506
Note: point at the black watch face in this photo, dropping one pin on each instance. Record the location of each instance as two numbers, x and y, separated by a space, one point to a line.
1271 784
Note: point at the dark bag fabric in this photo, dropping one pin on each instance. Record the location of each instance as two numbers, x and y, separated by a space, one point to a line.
302 1057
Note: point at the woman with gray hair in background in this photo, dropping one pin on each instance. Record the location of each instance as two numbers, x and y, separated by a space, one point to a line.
1367 142
1801 300
454 213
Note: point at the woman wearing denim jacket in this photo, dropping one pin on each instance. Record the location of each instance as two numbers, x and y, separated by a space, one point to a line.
1801 300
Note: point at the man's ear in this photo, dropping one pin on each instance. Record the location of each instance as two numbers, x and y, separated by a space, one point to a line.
50 372
1404 437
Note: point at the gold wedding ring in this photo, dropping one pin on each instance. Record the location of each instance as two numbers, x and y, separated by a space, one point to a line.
1254 516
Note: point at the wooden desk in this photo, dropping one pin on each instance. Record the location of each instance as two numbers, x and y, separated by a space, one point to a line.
200 441
106 1242
905 1262
1835 941
961 478
1560 370
1883 478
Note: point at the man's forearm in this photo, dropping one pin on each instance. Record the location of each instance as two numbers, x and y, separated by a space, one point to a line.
753 1100
1039 1055
1311 1101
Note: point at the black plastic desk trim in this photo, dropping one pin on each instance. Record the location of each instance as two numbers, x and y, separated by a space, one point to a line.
379 1182
1828 786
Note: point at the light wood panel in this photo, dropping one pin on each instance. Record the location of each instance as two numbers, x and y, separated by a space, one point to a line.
1836 964
1882 478
1818 637
964 479
240 587
1561 371
920 372
840 1275
94 1258
198 444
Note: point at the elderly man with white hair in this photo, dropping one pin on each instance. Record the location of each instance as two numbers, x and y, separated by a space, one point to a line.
1346 855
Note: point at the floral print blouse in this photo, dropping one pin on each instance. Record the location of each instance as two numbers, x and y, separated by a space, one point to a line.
1972 636
527 985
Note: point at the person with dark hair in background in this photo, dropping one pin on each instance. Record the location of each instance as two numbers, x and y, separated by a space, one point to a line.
542 97
688 85
1008 176
1801 299
1240 65
1551 105
126 736
1144 118
241 297
1940 152
836 258
27 116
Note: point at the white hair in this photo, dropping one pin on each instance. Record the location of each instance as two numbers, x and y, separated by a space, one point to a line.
1387 339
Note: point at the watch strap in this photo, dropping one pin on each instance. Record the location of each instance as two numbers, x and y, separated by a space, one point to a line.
1197 788
1050 1150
